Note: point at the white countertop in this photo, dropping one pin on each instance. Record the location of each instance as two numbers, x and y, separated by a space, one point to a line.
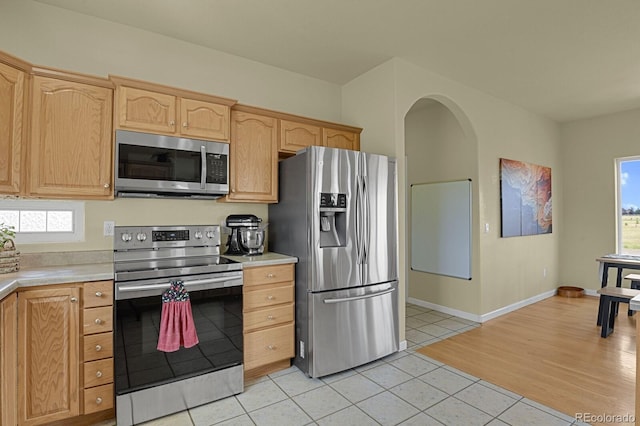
104 271
54 275
268 258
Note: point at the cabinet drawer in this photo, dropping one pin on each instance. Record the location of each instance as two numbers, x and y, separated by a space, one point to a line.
98 373
268 274
98 346
98 293
268 297
267 346
97 320
98 398
268 317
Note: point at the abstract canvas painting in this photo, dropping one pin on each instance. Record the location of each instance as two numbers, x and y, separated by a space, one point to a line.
525 198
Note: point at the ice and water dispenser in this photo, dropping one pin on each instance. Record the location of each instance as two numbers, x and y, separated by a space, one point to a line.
333 212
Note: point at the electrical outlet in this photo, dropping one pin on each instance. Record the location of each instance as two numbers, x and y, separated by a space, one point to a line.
108 228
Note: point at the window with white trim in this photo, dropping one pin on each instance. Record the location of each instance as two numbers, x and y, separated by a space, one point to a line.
628 205
41 221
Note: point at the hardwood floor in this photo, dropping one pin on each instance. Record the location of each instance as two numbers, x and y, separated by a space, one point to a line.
552 352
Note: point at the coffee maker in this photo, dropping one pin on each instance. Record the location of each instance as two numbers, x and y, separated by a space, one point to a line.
247 235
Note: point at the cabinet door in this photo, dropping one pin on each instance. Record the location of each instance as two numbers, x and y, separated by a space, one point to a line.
204 120
11 120
71 140
296 136
48 348
146 110
340 139
253 153
8 360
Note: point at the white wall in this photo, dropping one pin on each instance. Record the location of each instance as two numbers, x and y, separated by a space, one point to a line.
49 36
511 269
589 149
438 150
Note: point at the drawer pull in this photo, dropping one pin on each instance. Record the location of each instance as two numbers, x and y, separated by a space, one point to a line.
98 348
74 299
98 294
98 374
98 400
270 275
98 321
270 297
272 347
271 317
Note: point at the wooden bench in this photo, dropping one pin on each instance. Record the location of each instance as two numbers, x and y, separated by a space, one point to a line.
609 299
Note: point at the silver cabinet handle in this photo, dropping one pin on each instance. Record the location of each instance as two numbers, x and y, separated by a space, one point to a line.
106 185
98 321
98 400
73 299
270 297
272 347
98 348
185 124
271 317
98 294
98 374
172 123
270 275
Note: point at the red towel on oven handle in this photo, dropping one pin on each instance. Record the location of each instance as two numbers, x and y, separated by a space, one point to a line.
176 324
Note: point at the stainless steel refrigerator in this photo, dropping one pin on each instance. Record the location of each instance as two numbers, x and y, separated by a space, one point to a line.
337 213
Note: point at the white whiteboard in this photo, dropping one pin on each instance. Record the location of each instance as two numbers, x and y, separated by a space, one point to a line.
441 228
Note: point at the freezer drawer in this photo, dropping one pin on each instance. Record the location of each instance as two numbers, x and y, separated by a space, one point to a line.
351 327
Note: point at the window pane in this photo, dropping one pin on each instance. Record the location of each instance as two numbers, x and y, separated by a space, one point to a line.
10 218
59 221
33 221
630 206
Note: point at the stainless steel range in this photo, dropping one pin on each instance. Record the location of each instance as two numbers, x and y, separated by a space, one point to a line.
150 383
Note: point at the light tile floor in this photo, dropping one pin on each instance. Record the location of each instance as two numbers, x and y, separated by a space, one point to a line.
405 388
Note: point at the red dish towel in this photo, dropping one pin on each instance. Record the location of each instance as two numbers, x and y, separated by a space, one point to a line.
176 323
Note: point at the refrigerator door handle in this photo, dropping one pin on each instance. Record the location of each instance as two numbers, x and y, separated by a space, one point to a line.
367 221
359 218
365 296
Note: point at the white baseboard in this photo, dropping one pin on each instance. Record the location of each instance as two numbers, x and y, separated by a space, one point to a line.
490 315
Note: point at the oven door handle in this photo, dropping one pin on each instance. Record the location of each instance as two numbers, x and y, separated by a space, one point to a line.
226 280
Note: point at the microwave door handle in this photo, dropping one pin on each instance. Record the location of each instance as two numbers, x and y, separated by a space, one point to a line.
203 168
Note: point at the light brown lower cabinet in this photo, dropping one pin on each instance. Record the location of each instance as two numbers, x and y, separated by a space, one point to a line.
56 355
48 348
268 312
8 360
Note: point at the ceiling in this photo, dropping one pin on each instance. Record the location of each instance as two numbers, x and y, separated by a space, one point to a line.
563 59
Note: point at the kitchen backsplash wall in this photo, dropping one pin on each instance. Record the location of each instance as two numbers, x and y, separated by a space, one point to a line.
131 211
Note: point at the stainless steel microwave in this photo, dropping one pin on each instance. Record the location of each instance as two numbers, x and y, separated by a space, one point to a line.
148 165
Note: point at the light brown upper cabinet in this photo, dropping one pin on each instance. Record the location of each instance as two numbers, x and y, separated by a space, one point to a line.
295 136
148 107
71 136
13 113
341 139
253 156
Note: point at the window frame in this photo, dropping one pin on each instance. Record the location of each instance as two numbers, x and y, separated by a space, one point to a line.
76 207
618 201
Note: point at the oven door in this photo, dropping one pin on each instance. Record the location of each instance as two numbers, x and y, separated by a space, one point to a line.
217 315
147 163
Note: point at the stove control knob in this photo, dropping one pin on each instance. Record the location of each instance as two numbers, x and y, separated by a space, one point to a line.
198 235
211 234
141 236
126 237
